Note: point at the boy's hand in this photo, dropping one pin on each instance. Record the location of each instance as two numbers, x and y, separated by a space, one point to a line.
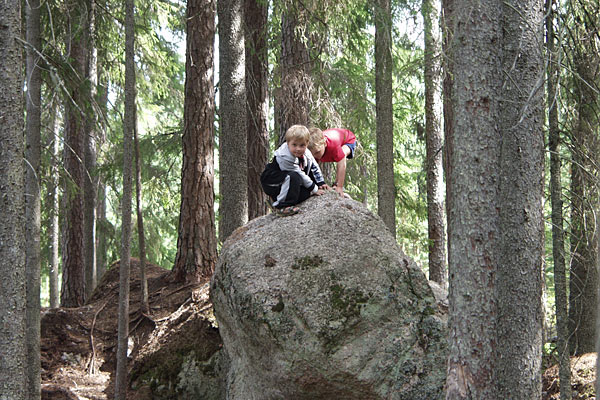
325 187
319 192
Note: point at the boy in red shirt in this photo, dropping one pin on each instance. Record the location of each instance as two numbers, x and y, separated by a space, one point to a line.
333 145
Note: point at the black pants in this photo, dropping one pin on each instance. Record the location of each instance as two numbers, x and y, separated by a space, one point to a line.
284 187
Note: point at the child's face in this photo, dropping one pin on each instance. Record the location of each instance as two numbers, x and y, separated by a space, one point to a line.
297 147
318 153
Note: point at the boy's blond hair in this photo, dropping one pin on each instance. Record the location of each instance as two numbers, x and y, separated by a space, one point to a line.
298 132
317 140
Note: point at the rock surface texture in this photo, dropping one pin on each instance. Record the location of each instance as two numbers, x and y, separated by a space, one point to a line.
325 305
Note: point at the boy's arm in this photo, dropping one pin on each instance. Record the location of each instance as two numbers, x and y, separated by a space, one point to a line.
340 176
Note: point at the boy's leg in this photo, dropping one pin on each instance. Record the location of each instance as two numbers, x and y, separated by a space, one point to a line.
291 192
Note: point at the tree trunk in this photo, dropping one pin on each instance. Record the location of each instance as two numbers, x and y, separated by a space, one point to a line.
296 81
32 197
233 153
255 17
386 189
447 66
12 203
436 216
558 241
583 295
473 183
140 224
101 245
73 280
197 242
54 204
124 270
90 178
519 275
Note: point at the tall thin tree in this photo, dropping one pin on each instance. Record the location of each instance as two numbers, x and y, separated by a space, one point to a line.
558 241
73 276
436 214
233 152
255 17
54 204
145 306
197 241
12 203
90 178
33 195
125 263
386 190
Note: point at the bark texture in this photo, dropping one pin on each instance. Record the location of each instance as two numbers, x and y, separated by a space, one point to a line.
233 151
121 376
436 213
473 215
386 189
197 242
255 17
13 384
519 275
73 277
293 100
33 197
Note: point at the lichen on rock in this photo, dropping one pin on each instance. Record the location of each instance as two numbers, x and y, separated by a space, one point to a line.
324 304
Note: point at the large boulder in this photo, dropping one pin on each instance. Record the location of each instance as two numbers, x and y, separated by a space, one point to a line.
325 305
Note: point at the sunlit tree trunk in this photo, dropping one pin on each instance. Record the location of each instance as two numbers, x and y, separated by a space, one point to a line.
386 189
255 16
32 196
436 215
125 263
558 241
53 207
197 241
145 306
13 349
90 178
233 152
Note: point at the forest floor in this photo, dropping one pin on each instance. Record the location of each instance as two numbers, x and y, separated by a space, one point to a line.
78 345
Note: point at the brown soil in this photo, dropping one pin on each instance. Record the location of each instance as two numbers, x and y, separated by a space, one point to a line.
78 345
583 379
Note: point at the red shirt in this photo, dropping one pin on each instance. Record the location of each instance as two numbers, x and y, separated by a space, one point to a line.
334 140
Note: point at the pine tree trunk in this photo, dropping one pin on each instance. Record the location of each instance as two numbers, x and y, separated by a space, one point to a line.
73 278
436 215
558 241
90 179
145 306
33 197
54 205
521 253
12 203
473 183
386 189
255 16
125 263
197 242
233 153
293 97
